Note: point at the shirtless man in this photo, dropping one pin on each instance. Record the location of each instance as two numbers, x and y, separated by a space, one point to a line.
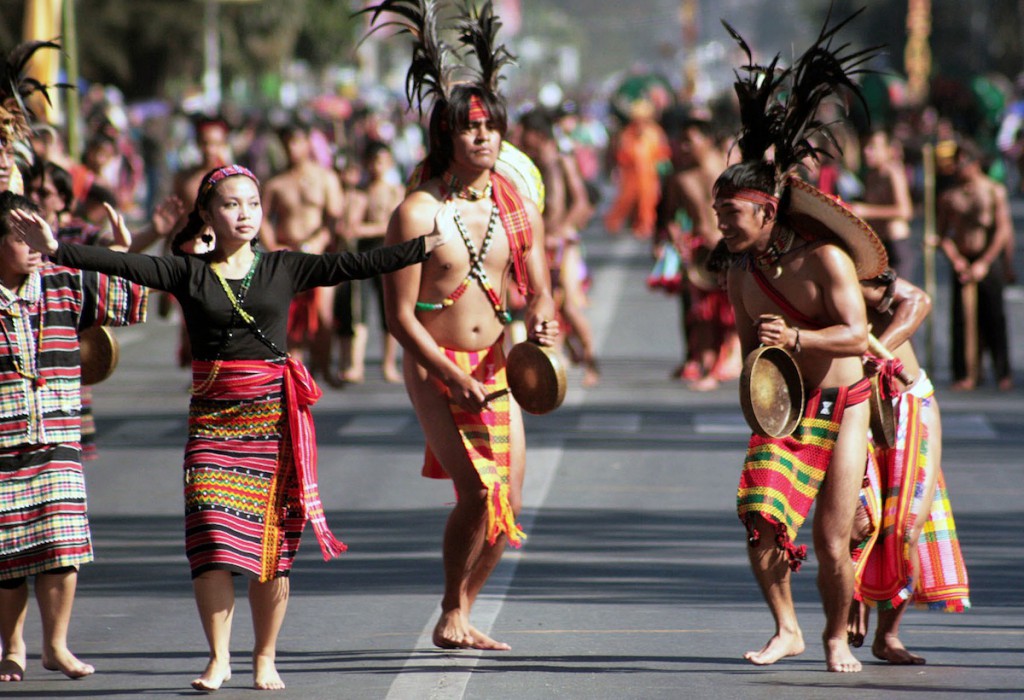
975 225
567 211
303 204
911 474
366 223
887 206
712 346
805 297
454 359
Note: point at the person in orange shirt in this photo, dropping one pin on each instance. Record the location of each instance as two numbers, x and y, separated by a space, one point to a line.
642 145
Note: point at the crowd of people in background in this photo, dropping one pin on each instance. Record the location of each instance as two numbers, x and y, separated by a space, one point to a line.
647 165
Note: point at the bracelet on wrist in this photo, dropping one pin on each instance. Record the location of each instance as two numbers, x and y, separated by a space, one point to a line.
796 342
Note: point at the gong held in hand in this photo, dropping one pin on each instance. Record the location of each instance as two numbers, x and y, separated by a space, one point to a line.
771 392
100 352
536 377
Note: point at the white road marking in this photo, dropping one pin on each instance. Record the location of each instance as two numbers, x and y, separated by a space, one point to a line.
720 423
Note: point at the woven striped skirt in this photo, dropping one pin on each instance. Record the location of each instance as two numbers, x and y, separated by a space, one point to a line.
894 496
43 524
242 499
782 476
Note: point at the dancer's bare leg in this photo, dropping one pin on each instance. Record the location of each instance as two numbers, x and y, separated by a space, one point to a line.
355 370
13 609
491 554
269 602
215 598
574 305
389 360
887 645
772 573
320 344
55 594
833 523
464 540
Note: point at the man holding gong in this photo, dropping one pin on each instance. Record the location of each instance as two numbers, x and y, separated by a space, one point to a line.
798 255
450 314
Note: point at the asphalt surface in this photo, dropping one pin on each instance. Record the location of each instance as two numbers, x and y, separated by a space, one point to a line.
634 582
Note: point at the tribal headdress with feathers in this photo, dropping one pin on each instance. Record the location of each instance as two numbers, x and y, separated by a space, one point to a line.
780 107
780 111
15 87
459 95
439 80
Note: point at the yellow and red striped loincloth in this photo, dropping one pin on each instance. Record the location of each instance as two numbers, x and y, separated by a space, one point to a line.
893 496
486 439
781 476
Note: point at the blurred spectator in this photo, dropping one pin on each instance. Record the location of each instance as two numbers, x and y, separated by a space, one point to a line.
641 149
975 225
886 204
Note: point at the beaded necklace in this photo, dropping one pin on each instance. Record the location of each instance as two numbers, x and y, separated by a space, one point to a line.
476 270
461 191
236 306
778 245
32 373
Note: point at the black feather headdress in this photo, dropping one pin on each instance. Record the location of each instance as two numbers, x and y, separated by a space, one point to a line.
431 71
15 87
436 67
781 108
478 31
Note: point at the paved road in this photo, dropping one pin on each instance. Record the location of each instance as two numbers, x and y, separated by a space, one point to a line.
634 582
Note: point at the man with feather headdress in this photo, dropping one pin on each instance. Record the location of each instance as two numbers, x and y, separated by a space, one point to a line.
450 313
799 256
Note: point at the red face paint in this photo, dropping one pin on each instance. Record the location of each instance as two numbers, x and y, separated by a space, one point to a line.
477 110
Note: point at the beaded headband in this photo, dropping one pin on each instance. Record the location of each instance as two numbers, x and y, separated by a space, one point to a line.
220 174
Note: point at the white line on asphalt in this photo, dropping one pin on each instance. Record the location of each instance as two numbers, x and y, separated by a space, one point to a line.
431 676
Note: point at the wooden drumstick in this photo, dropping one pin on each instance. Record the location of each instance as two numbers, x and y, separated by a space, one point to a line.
497 394
875 345
969 302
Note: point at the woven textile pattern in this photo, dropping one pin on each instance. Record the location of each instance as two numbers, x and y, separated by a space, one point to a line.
781 476
43 523
242 509
486 439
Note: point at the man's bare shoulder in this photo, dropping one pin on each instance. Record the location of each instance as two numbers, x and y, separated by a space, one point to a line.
415 215
828 258
276 182
695 185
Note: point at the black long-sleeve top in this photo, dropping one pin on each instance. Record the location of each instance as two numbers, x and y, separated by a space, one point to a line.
215 330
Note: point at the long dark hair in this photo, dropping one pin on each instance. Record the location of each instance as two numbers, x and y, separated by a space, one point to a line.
452 115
